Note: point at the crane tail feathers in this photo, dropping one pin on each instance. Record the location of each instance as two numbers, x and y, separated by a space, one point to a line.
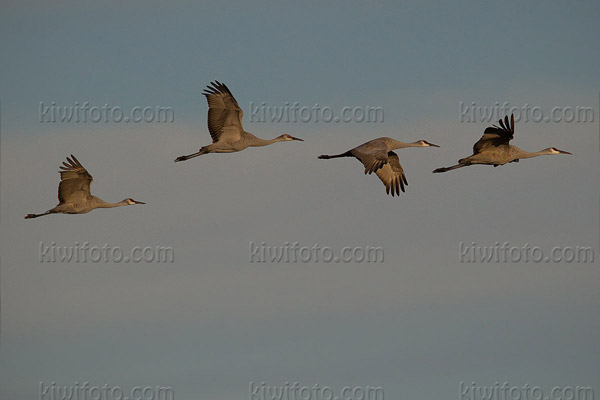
183 158
29 216
327 157
199 153
445 169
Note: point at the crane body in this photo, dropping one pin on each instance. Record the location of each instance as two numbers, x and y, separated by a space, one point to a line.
494 149
377 156
74 195
225 125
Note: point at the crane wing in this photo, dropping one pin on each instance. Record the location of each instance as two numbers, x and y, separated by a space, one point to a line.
373 158
74 179
392 175
224 113
496 135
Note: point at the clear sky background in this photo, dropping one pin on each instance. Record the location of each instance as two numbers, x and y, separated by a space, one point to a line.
211 322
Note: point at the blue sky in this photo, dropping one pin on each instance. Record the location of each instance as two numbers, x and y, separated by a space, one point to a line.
209 323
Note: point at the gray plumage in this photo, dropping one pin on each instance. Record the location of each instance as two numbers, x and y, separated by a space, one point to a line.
494 149
225 125
74 195
377 156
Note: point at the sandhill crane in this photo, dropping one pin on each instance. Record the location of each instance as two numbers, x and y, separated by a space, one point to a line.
493 148
377 156
225 125
74 195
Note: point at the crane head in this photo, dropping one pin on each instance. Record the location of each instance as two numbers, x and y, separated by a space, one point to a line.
554 150
425 143
287 137
131 201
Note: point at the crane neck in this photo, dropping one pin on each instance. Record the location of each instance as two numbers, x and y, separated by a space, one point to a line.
254 141
528 154
263 142
396 144
104 204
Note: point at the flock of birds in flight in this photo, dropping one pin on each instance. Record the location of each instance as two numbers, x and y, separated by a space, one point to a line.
228 136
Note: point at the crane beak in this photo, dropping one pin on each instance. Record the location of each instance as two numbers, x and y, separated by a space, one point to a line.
139 202
564 152
433 145
295 138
